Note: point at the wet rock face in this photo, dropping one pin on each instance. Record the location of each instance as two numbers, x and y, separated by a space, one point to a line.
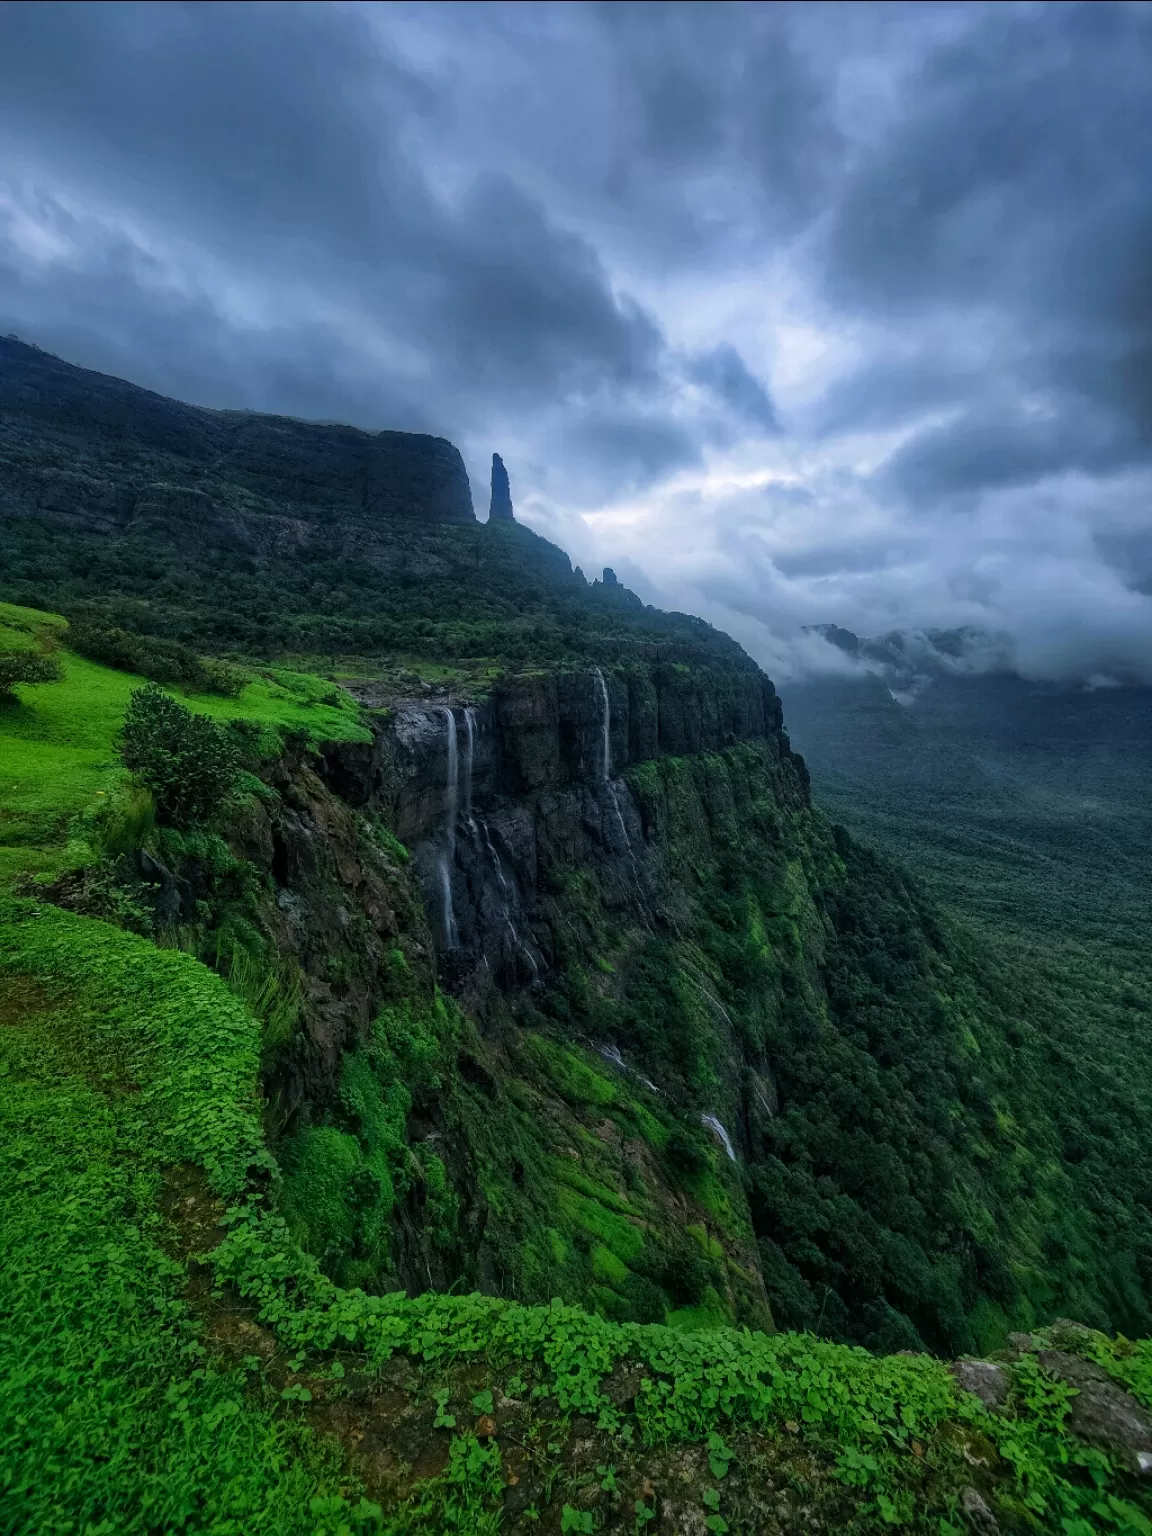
981 1520
341 906
94 452
498 801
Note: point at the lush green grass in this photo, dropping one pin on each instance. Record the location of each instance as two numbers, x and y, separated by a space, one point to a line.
58 741
117 1061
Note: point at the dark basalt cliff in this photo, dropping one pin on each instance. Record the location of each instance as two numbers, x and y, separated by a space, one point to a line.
496 797
546 824
95 453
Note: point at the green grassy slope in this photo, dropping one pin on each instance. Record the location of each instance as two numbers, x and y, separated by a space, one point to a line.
58 752
121 1061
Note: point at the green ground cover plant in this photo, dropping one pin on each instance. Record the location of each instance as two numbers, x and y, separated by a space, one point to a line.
117 1060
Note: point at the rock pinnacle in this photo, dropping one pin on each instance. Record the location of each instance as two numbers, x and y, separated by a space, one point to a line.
500 510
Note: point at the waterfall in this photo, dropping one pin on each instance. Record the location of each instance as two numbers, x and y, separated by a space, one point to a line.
448 854
614 801
613 789
452 783
606 760
469 759
718 1130
502 878
717 1007
612 1053
458 810
762 1098
605 726
507 895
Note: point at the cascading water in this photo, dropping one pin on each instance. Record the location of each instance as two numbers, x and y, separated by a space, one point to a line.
448 853
613 789
710 998
507 896
458 812
605 726
479 831
718 1130
612 1053
469 759
762 1100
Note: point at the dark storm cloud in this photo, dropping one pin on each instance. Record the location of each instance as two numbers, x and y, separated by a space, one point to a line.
272 138
723 371
1009 196
635 450
720 87
986 448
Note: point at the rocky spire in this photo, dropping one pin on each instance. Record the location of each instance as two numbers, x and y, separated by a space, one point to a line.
500 510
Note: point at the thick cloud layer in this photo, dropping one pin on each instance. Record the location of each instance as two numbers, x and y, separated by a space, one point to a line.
797 314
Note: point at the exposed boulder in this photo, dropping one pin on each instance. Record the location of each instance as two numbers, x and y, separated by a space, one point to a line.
1102 1412
980 1518
983 1379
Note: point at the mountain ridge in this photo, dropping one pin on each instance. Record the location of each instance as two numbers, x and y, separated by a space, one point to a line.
549 980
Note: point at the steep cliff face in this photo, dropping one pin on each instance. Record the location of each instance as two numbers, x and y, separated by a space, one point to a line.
498 797
620 1017
93 453
568 1154
570 988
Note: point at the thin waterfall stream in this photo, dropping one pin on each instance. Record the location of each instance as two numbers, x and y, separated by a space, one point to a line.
718 1130
613 787
469 760
448 853
481 836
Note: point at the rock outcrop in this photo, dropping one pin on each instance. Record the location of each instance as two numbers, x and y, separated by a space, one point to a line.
500 507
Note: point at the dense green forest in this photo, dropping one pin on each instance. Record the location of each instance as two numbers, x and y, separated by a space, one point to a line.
1024 810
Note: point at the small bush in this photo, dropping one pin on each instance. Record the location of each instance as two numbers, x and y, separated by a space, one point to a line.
121 822
162 661
186 760
27 666
221 677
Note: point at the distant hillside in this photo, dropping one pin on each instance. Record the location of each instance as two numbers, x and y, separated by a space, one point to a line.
86 450
1027 802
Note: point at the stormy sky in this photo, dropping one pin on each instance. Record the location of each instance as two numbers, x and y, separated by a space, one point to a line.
826 313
